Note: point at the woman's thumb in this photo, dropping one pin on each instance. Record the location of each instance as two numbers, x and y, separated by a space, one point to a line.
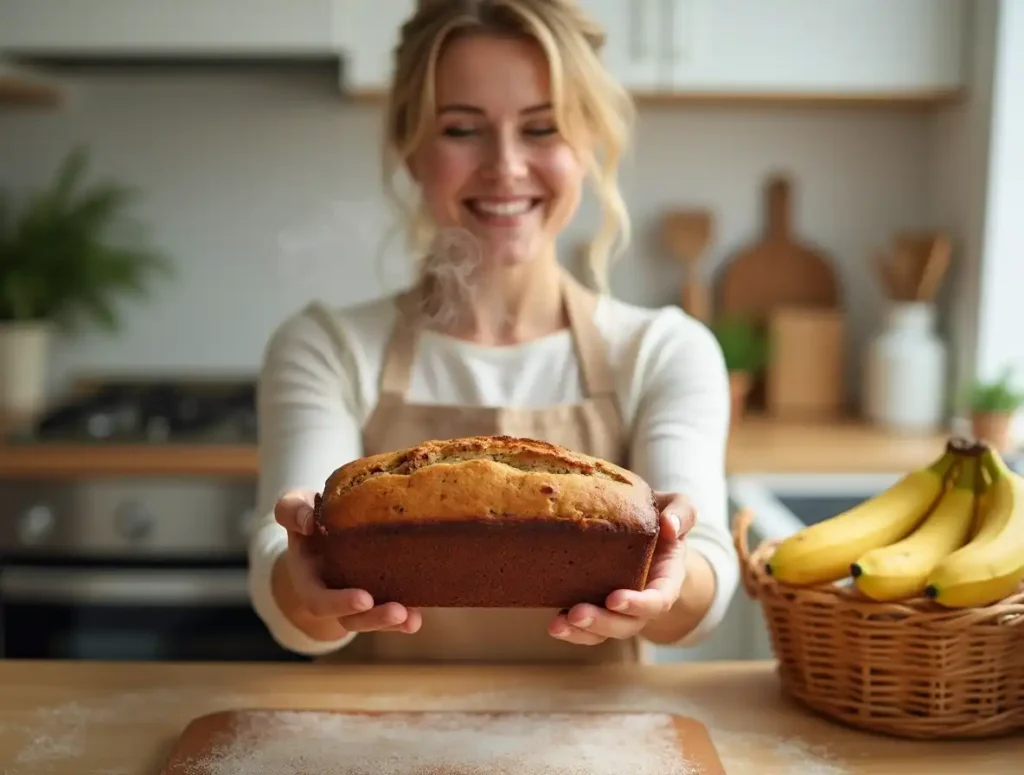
294 511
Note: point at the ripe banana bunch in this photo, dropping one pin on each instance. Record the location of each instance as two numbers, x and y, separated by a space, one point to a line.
990 567
824 552
901 570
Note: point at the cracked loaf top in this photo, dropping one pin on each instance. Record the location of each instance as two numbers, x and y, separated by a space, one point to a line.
484 478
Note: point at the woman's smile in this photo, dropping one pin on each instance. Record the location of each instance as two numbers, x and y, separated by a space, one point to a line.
503 212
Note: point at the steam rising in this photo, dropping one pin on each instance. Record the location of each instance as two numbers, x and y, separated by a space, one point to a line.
321 251
450 279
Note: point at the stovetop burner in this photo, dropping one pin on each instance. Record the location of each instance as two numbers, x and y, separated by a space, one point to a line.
158 412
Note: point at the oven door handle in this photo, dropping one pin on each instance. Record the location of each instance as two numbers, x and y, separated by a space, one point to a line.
89 586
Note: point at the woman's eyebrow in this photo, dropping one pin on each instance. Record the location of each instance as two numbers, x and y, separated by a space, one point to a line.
458 107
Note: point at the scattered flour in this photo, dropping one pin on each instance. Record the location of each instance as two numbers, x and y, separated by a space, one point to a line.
741 751
53 738
303 743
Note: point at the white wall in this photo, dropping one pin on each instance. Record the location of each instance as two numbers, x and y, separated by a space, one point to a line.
230 161
959 179
1001 317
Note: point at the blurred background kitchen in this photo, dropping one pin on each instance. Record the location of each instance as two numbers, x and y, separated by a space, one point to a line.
835 188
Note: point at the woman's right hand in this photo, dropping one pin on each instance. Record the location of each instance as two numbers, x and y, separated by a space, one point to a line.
352 609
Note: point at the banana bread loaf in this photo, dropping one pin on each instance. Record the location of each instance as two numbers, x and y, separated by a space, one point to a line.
488 521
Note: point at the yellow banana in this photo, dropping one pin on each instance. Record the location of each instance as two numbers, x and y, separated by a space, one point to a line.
900 571
823 552
991 566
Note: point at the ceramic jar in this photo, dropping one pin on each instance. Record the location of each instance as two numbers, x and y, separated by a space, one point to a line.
905 371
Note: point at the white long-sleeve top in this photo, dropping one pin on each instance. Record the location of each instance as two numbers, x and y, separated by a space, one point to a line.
319 383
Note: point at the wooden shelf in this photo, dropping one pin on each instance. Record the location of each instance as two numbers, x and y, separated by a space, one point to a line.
756 445
917 101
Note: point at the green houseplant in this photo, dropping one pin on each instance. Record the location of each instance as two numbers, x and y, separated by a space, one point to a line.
60 265
992 405
745 349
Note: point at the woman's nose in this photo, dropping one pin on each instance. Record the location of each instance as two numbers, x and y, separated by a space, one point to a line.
508 157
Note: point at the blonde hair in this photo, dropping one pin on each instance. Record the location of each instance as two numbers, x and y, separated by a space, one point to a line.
591 109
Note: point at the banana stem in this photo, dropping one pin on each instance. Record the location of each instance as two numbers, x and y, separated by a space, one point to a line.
945 464
969 475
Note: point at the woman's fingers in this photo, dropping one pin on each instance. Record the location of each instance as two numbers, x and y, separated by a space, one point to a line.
562 629
382 617
678 514
294 511
353 608
314 596
411 625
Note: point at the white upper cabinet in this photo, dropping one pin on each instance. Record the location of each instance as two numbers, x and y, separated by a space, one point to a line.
722 48
167 28
633 49
807 48
366 33
815 47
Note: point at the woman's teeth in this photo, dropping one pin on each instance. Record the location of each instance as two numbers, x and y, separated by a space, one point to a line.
503 209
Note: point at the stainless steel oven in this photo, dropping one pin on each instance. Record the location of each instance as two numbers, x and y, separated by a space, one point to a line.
128 569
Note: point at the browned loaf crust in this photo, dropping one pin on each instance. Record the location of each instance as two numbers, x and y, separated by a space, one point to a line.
488 521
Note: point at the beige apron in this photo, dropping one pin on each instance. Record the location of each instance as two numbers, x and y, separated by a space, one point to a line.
594 427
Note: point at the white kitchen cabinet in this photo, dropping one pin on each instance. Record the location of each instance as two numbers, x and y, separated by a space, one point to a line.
786 47
718 48
723 48
633 49
367 34
181 28
809 47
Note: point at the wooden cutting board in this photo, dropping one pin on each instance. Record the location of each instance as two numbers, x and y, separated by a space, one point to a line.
778 270
314 742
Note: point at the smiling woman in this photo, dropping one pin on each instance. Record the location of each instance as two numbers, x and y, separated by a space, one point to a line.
500 112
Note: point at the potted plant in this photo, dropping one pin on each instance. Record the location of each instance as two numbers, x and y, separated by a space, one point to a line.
993 405
59 263
745 348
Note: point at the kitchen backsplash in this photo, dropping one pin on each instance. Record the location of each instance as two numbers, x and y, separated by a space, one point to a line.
264 187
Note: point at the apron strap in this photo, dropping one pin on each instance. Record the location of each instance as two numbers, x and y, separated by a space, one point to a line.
580 304
591 349
396 373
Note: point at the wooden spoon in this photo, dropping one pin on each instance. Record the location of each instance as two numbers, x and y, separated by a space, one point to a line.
935 269
888 277
686 234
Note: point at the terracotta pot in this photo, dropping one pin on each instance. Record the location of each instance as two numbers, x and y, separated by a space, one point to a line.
993 428
739 389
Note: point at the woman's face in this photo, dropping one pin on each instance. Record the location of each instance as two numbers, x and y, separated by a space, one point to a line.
495 164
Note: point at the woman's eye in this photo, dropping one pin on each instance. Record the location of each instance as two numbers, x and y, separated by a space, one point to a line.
542 131
458 131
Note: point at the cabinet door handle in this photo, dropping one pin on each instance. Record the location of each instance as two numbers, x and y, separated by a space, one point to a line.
637 30
670 35
685 24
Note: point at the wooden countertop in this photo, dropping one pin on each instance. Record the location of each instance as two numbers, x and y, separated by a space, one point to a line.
757 445
92 718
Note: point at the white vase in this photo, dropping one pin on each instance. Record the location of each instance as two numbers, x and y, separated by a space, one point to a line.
905 371
24 356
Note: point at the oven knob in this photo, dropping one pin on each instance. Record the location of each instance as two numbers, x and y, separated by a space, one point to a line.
36 524
133 522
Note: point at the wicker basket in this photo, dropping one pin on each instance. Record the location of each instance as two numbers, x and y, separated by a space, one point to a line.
913 670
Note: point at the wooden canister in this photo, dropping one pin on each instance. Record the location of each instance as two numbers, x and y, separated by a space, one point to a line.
806 364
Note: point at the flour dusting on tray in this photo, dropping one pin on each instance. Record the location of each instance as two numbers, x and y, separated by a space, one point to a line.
320 743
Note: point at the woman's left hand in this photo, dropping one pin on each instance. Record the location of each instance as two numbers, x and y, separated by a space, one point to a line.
628 611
